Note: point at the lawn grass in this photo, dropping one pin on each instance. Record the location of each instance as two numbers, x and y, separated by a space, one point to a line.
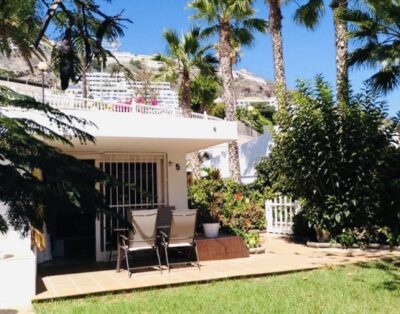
364 288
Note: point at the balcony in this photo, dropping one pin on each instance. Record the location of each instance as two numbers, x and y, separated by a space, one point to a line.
121 127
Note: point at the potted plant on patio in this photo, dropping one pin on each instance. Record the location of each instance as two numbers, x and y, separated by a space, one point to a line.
211 218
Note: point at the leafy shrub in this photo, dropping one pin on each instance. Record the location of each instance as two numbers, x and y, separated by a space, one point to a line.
253 118
252 239
218 110
301 227
341 160
237 207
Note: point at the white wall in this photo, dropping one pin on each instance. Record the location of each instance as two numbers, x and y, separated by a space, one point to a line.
250 154
17 268
142 126
12 241
177 180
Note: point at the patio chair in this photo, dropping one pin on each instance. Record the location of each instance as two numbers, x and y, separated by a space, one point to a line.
143 236
181 233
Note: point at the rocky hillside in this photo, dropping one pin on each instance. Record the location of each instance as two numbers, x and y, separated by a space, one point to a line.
247 83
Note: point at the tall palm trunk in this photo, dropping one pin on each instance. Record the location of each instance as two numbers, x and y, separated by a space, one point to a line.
275 28
194 158
84 85
226 56
341 41
185 93
84 80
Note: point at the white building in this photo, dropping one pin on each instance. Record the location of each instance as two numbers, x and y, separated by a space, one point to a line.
116 88
149 143
250 153
251 101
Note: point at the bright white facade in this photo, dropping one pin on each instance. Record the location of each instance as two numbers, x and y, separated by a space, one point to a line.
139 144
250 153
116 88
250 101
17 268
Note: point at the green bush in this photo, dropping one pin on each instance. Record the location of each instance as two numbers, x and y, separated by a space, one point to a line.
301 227
341 160
253 118
237 207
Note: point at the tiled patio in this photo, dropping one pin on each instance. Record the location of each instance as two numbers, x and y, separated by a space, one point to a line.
281 256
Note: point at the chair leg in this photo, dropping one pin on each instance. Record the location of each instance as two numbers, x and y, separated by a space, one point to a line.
118 259
166 257
158 257
127 264
197 256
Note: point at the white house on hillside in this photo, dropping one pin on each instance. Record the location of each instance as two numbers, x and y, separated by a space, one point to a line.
116 88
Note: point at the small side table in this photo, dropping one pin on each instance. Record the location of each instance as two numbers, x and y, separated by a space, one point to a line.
118 232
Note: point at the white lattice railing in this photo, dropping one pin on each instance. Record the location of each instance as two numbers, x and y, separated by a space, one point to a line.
279 213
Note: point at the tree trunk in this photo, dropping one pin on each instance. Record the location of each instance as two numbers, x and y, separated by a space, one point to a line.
193 158
185 94
84 85
226 57
84 81
341 41
275 28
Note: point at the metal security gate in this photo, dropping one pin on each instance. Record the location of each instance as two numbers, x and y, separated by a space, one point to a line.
279 213
144 186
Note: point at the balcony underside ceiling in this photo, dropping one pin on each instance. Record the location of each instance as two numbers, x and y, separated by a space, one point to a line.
143 145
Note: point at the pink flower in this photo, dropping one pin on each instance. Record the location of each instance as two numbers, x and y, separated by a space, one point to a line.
140 100
154 102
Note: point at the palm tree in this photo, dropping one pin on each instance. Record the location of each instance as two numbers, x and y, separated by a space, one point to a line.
234 22
378 29
83 27
310 15
19 23
183 57
275 28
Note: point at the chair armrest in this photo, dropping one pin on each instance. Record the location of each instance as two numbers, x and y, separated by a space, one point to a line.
164 237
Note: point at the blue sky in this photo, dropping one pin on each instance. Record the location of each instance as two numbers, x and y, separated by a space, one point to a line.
307 53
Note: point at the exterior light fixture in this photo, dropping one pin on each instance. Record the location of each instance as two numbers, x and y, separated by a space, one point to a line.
42 67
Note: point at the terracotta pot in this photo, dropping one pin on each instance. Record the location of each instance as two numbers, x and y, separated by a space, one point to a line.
211 230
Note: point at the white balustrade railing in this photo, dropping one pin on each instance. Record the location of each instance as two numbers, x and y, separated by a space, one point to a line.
69 102
73 103
279 213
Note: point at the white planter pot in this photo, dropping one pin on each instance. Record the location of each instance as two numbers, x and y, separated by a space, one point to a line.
211 230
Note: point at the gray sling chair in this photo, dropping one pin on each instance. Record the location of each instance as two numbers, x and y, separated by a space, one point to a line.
143 236
181 233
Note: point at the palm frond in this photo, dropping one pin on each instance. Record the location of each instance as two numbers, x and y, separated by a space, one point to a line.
385 80
310 13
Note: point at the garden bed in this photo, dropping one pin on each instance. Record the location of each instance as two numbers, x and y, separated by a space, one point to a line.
372 246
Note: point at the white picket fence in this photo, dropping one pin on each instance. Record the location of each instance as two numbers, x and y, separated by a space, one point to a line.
279 213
